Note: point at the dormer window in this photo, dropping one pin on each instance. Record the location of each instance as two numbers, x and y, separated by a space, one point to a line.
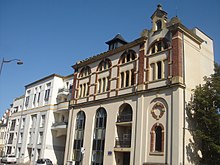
116 42
158 25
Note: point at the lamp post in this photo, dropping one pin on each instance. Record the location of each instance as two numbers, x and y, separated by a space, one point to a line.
19 62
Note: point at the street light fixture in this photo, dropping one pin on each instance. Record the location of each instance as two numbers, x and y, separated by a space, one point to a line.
19 62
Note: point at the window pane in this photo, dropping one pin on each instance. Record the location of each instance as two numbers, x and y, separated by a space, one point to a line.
122 79
158 143
159 70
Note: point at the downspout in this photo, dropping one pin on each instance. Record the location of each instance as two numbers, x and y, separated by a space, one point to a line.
135 135
184 101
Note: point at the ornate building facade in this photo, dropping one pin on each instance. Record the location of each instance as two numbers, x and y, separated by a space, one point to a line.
128 104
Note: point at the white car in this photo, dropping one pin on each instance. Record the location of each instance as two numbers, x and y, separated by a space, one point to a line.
9 159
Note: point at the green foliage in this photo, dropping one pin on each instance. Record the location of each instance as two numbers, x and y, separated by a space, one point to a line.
203 116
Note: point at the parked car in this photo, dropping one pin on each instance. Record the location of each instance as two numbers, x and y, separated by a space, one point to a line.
44 161
9 159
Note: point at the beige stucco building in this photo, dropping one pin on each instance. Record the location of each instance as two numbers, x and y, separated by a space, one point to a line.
128 105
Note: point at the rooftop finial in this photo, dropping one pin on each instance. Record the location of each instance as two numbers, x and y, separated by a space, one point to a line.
159 6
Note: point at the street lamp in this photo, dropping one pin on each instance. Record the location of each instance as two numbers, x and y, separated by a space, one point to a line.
19 62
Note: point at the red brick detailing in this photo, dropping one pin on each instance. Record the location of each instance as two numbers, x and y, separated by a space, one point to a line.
161 108
109 82
141 65
117 85
147 71
96 81
75 82
89 88
152 138
169 60
177 54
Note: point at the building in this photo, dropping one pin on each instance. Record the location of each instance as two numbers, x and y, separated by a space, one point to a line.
44 119
13 126
3 131
128 104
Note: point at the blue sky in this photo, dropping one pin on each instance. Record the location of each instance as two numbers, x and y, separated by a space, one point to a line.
52 35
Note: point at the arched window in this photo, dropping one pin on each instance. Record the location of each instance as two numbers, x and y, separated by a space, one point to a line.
99 137
103 65
85 71
79 136
157 138
125 113
158 46
127 56
158 25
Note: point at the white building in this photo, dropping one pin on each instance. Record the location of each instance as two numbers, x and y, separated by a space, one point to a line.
128 105
3 131
44 119
13 126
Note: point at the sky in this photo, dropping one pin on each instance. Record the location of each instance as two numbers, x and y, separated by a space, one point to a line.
52 35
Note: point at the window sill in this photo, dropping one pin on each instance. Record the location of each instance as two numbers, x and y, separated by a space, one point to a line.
129 62
128 87
156 153
156 53
158 80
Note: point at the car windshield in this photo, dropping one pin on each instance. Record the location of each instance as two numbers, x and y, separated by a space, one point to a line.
41 161
11 156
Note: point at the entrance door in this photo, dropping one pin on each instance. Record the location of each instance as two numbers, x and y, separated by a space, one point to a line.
126 158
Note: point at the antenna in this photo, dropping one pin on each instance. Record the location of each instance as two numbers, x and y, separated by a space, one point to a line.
177 2
176 10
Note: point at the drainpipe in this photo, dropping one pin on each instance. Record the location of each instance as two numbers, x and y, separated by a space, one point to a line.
135 134
184 101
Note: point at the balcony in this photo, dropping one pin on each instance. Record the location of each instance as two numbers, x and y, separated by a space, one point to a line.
63 106
63 95
63 91
60 128
124 120
59 125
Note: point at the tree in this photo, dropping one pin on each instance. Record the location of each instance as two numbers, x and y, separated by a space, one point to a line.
203 116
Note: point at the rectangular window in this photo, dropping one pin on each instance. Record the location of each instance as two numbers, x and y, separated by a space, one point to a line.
99 85
159 70
127 78
21 138
122 79
159 47
13 125
27 101
87 93
80 91
34 100
152 71
11 137
38 99
84 90
42 123
132 77
47 94
40 140
104 85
